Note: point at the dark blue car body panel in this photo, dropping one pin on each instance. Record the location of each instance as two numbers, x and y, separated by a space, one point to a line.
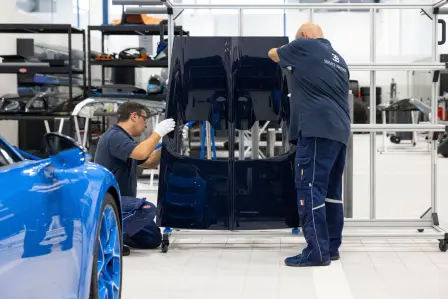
230 82
48 223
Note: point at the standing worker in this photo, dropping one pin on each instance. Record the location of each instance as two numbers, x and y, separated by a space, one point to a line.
118 152
320 127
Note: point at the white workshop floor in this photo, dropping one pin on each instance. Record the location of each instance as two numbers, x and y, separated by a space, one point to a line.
239 267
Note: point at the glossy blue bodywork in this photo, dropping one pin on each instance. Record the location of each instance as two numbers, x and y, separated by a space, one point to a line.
49 214
230 82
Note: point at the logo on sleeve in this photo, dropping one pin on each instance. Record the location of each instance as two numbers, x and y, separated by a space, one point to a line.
335 58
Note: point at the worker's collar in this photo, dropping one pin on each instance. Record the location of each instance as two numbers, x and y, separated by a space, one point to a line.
324 41
117 127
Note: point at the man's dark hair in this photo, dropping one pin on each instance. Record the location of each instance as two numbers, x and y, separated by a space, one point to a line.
126 109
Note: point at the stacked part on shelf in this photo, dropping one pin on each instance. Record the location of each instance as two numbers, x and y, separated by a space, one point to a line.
125 91
42 102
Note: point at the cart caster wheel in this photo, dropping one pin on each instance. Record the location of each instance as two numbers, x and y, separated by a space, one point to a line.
420 230
395 139
165 247
443 245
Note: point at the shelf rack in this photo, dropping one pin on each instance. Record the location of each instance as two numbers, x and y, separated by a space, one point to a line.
42 67
128 30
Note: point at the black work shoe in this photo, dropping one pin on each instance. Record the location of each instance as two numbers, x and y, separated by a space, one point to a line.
335 258
126 250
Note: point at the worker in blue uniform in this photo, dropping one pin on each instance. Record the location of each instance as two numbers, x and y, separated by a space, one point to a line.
118 152
320 128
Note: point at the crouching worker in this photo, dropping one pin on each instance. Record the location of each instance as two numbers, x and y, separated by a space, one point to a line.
118 152
139 228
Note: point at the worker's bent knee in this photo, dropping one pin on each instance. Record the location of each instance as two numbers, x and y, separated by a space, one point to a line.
148 205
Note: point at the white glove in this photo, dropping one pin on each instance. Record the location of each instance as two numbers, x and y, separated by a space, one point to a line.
164 127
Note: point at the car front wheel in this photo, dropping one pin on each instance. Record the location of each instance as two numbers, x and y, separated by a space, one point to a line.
107 263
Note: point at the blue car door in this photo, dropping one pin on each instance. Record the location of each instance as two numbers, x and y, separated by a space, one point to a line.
40 231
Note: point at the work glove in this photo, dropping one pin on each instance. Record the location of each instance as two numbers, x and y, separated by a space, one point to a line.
165 126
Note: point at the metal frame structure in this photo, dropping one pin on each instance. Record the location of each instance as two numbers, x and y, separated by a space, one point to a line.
373 66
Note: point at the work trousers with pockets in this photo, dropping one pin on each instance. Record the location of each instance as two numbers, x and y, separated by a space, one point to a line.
319 166
139 229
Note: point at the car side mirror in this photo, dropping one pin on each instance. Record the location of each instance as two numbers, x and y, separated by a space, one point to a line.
63 151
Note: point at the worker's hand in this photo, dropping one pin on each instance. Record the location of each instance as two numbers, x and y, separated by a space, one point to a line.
164 127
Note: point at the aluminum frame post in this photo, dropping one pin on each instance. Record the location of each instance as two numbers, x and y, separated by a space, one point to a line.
344 6
241 139
255 140
271 143
240 22
372 115
348 172
384 118
434 116
170 40
154 10
137 2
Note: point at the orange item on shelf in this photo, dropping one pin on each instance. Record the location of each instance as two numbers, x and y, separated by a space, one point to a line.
104 57
143 56
137 19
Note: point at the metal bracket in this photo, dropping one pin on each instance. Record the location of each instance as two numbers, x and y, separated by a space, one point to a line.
439 9
425 12
177 15
425 213
435 136
435 219
436 76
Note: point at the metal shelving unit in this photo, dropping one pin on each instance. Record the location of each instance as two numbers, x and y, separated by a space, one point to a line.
137 30
44 67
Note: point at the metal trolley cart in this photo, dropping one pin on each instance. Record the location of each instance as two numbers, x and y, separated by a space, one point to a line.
375 228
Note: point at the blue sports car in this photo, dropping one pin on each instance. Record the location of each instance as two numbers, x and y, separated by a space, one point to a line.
60 225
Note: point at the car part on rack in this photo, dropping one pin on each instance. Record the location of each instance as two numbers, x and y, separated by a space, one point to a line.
134 54
118 90
156 84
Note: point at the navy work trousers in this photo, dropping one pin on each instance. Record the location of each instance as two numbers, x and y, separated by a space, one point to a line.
139 229
320 165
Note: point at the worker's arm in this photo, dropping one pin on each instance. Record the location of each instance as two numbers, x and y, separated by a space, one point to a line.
274 55
123 147
153 161
146 147
288 54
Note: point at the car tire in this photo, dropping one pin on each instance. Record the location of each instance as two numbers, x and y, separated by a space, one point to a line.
112 270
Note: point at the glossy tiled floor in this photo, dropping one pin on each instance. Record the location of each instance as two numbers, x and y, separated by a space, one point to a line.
248 267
